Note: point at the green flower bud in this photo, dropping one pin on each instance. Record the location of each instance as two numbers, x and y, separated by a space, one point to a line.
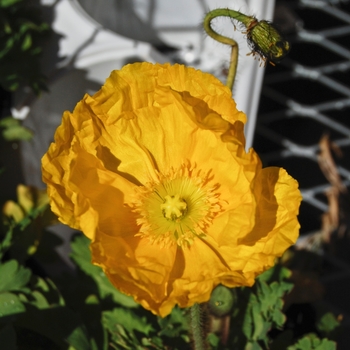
265 41
221 301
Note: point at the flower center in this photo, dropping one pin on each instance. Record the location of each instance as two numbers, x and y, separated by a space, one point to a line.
177 208
174 207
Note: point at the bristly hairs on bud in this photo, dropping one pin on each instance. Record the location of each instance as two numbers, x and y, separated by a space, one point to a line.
266 42
263 38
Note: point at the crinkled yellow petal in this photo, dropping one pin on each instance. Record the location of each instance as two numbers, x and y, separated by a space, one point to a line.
135 267
174 111
84 194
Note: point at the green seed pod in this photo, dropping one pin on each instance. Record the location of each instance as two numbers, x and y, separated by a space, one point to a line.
265 40
221 301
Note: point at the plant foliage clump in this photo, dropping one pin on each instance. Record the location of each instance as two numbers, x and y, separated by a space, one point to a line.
21 32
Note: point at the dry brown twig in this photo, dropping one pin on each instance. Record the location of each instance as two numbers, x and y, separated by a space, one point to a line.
327 164
330 219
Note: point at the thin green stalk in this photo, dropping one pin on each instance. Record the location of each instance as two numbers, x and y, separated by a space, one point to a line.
246 20
199 341
233 67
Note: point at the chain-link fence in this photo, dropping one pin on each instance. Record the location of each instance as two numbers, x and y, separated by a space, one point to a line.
304 98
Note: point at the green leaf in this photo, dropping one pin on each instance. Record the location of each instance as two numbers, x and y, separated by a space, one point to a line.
312 342
327 345
176 317
253 346
8 338
126 318
42 284
5 244
39 300
327 323
259 323
78 339
46 293
27 42
9 122
278 317
14 131
13 87
17 133
175 326
247 325
13 276
10 304
82 257
7 3
213 340
276 273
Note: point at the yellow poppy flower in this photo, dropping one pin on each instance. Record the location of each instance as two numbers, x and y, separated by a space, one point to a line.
152 168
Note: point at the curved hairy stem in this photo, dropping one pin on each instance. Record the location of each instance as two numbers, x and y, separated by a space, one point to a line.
246 20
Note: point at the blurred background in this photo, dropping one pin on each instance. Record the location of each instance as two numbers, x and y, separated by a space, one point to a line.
298 110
